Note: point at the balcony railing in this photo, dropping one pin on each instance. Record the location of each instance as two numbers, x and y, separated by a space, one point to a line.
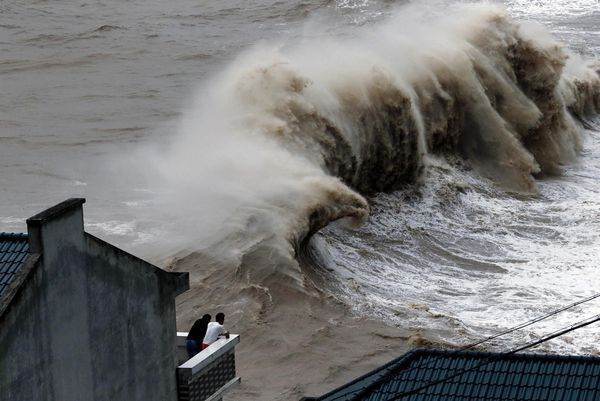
207 375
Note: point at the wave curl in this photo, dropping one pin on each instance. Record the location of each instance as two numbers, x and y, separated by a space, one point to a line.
298 135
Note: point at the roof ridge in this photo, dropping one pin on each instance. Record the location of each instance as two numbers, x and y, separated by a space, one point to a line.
503 355
13 236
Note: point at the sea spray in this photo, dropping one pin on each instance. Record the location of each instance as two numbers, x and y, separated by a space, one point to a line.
290 138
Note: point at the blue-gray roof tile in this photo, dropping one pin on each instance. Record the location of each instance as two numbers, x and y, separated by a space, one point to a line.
14 249
494 377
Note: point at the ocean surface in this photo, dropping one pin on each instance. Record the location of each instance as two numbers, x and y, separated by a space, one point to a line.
96 93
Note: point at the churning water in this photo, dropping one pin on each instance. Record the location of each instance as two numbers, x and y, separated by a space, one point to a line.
391 148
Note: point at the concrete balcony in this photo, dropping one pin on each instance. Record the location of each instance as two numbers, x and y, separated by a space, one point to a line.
210 373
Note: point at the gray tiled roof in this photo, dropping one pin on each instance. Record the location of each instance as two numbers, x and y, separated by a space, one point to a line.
14 249
434 375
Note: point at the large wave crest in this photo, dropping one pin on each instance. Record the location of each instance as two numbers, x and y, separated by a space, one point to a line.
289 138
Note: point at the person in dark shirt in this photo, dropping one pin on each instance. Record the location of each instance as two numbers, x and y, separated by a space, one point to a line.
196 335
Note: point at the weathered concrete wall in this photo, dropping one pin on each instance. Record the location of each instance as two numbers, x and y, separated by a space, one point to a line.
25 372
93 323
138 321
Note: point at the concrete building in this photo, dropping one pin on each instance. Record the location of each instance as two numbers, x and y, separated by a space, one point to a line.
81 319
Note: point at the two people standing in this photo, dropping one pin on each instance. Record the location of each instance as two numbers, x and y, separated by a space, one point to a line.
196 335
204 332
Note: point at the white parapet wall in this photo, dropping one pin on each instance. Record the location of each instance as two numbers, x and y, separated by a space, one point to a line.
182 355
207 375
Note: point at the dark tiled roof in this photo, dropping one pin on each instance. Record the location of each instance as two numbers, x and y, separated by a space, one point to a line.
478 377
14 249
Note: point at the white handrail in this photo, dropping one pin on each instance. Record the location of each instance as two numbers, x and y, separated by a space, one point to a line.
211 353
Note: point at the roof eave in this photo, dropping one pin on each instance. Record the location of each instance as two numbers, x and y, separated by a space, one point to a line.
18 284
391 365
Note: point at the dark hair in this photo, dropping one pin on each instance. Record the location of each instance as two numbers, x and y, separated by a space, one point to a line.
220 317
206 317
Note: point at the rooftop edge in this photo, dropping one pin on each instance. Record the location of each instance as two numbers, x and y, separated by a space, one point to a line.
55 211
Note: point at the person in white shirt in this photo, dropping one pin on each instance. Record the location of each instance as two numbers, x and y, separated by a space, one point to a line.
215 330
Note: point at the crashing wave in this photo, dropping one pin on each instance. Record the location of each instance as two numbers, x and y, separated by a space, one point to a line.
295 137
